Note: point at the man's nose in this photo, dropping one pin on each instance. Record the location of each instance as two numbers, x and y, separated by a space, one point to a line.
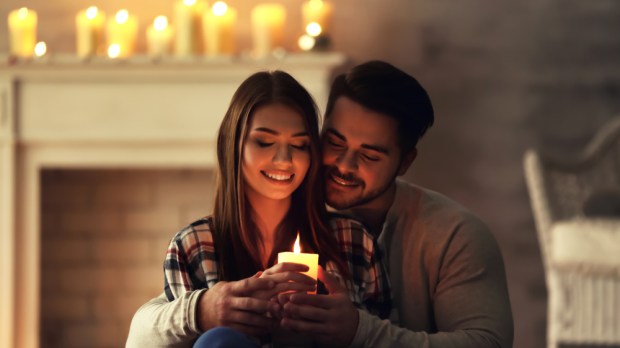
283 154
347 162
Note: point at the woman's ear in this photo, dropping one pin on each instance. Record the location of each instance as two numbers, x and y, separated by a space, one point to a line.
406 161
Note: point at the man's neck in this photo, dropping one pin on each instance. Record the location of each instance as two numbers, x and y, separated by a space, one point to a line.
373 213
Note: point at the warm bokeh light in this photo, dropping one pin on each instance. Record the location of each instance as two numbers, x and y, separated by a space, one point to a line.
114 51
160 23
22 13
306 42
189 2
91 12
314 29
219 8
122 16
40 49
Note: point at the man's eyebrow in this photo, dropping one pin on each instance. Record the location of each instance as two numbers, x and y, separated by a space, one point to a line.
271 131
376 148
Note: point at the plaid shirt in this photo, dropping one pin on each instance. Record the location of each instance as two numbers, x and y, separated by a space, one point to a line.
191 264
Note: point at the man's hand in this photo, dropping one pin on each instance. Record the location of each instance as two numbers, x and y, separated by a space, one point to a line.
330 319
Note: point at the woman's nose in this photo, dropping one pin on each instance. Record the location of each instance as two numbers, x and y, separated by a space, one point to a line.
283 154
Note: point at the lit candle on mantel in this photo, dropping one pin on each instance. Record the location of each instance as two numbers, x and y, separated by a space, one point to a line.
159 37
188 27
319 12
89 32
122 30
40 49
22 32
310 260
219 29
267 28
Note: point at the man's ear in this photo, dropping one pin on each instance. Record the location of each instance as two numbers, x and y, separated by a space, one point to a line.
407 160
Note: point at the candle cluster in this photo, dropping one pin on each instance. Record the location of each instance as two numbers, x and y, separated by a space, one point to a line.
196 29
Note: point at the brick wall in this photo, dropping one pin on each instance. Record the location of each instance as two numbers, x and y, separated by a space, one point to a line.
104 237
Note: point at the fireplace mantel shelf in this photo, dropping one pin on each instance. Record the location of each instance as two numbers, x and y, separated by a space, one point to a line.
63 113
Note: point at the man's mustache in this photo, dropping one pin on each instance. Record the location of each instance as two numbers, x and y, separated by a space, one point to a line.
333 171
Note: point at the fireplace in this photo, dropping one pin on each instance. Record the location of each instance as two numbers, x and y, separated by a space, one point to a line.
85 150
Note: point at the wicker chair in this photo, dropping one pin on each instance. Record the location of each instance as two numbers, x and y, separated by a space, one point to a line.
576 205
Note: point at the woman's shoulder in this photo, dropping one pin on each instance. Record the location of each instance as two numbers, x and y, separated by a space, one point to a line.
200 230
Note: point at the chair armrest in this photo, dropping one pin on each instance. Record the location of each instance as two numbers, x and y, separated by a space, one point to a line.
586 245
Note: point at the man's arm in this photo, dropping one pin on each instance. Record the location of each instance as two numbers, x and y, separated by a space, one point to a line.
159 323
470 303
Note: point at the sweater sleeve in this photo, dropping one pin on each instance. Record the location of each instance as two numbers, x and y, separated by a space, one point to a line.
468 298
163 323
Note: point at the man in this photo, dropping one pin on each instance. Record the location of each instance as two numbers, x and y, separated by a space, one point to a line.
447 274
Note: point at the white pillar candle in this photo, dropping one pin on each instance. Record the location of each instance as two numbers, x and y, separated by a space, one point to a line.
310 260
319 12
89 32
122 30
159 37
219 29
188 27
267 28
22 32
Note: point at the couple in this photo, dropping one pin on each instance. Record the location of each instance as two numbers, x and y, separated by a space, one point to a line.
447 283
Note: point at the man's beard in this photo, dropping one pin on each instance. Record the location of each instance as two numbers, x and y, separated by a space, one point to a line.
356 200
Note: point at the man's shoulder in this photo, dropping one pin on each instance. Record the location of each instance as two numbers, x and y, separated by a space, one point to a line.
427 207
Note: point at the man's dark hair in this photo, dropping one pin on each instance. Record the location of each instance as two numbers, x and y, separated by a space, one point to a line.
383 88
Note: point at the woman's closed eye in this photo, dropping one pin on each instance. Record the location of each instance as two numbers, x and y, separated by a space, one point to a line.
300 146
262 143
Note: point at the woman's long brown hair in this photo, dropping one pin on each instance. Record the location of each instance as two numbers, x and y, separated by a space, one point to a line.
236 236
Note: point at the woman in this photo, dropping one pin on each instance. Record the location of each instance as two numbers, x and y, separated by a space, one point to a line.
269 190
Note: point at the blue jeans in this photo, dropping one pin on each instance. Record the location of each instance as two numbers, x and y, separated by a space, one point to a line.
224 337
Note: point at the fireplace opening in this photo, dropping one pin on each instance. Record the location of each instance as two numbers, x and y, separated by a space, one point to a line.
104 235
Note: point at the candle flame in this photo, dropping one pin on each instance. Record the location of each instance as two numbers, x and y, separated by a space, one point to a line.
219 8
40 49
296 247
122 16
314 29
306 42
160 23
91 12
22 13
114 51
189 2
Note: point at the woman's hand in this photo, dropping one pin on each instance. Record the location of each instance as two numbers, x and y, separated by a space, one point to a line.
288 278
244 304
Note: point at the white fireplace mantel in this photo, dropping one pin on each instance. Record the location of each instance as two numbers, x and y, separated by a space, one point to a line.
59 114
